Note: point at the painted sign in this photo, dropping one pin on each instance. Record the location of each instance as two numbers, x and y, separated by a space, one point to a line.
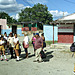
65 28
25 29
33 28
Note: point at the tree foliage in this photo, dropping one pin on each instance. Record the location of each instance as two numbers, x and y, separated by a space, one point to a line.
4 15
38 12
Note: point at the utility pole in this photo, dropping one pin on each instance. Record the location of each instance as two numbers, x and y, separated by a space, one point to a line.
63 14
53 33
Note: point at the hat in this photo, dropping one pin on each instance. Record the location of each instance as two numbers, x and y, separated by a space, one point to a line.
37 34
25 33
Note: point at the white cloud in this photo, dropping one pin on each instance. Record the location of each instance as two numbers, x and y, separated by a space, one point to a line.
57 13
10 6
15 16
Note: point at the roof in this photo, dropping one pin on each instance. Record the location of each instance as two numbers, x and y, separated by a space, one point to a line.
69 19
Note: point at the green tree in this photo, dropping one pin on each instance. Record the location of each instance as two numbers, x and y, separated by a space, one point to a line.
38 12
4 15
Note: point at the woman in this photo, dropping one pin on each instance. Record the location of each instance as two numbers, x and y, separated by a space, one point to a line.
26 44
5 36
16 48
2 49
11 45
44 44
33 42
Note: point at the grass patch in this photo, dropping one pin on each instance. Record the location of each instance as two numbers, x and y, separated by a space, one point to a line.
30 43
50 42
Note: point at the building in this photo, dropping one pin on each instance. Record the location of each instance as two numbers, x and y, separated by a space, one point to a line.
18 28
4 27
3 23
66 29
28 26
48 32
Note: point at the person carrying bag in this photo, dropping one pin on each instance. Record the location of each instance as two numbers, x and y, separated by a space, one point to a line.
26 44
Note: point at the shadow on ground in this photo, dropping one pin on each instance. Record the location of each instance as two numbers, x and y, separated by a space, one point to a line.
48 56
23 56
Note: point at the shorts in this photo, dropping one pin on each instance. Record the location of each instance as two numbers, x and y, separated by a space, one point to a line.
16 47
2 48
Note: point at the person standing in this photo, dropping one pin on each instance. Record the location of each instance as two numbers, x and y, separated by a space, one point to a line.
11 45
16 46
44 44
26 44
33 42
2 49
38 47
5 36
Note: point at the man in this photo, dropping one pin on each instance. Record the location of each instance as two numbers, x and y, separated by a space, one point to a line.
38 47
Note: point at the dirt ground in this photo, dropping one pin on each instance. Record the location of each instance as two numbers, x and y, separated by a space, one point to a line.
58 62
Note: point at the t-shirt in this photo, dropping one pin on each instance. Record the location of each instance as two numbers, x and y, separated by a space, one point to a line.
38 43
10 40
1 42
16 40
26 40
34 40
5 37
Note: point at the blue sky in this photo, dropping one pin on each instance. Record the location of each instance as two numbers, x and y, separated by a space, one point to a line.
57 8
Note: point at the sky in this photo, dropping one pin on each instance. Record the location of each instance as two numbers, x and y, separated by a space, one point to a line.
58 8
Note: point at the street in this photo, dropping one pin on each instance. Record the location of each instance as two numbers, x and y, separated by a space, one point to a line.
57 62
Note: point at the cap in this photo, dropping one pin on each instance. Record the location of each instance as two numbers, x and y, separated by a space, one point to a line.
37 33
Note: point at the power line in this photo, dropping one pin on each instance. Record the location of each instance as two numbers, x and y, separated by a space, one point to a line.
69 1
54 4
33 2
27 3
14 1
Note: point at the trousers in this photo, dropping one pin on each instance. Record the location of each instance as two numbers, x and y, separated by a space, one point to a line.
37 54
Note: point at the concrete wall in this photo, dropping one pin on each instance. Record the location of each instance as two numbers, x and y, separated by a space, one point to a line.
19 32
48 32
3 23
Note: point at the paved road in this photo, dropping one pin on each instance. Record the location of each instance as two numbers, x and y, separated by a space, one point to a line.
56 63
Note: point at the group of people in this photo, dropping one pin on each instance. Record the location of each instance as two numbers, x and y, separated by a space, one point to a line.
9 43
12 45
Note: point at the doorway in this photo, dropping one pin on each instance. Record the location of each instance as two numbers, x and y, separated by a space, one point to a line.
14 29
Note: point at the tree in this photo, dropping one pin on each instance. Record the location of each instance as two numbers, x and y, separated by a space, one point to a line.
38 12
4 15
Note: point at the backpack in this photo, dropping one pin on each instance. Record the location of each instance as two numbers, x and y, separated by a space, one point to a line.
43 55
19 49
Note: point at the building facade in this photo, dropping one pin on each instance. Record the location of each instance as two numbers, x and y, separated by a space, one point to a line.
66 29
48 32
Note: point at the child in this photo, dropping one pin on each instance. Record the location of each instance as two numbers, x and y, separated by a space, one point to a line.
16 43
2 49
